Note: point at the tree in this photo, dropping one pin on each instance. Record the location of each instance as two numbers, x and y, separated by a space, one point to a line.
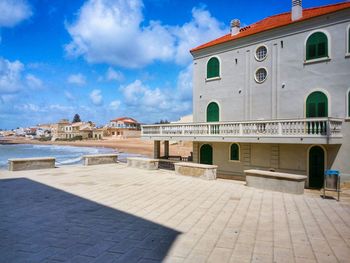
76 118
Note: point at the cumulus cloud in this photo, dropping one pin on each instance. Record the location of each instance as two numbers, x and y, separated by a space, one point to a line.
96 97
152 104
113 32
114 105
112 74
77 79
33 81
10 76
13 12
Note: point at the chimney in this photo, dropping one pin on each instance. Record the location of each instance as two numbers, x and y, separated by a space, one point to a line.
235 26
297 10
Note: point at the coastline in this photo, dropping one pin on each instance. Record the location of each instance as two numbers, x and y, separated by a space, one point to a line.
130 145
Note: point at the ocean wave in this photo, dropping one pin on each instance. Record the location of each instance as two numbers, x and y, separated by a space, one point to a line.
70 161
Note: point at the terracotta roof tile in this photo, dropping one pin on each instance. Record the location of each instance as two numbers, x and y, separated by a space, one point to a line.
275 21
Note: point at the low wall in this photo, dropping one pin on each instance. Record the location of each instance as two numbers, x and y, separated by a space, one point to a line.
143 163
21 164
100 159
204 171
274 181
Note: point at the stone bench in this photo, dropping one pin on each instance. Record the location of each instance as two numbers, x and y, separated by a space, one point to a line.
20 164
204 171
144 163
275 181
100 159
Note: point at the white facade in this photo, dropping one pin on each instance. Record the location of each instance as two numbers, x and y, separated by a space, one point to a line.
267 120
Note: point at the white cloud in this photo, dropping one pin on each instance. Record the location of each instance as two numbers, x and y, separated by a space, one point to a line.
77 79
112 32
114 105
34 82
96 97
202 28
10 76
13 12
69 95
112 74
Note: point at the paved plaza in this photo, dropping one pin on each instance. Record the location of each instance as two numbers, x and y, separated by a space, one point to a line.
111 213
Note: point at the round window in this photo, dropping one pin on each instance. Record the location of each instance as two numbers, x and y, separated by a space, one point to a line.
260 53
260 75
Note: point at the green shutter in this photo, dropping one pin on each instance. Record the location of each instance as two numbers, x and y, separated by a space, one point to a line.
212 112
349 40
317 105
317 46
206 154
213 68
234 152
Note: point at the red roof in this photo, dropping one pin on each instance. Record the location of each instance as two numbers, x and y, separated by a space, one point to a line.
126 119
276 21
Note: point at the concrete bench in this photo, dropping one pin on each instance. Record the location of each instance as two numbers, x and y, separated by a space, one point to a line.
20 164
275 181
204 171
100 159
144 163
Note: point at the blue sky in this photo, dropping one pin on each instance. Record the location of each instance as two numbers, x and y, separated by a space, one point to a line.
109 58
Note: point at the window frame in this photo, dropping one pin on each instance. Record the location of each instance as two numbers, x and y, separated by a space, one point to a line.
239 153
267 73
319 59
215 77
255 55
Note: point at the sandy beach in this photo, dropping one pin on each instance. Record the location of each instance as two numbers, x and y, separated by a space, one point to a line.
131 145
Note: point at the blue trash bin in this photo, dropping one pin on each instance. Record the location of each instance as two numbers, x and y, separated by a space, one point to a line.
331 179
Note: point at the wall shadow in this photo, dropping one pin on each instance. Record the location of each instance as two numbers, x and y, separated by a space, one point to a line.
39 223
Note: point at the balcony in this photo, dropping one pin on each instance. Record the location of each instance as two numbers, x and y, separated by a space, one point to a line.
306 131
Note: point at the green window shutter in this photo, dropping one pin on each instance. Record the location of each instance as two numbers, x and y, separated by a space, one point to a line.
212 112
213 68
317 105
317 46
349 40
234 152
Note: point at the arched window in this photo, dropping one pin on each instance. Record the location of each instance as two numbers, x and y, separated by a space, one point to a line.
317 46
317 105
234 152
213 68
212 112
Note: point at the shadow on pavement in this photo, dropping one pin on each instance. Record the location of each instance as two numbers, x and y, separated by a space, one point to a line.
39 223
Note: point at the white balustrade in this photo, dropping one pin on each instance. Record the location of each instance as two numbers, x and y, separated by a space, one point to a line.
312 127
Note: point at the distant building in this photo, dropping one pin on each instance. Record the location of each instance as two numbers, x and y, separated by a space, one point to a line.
124 127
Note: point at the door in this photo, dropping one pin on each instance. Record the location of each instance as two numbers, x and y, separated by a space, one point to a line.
316 167
212 112
206 154
317 107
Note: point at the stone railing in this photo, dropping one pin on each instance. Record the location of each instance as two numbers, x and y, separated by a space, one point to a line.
311 127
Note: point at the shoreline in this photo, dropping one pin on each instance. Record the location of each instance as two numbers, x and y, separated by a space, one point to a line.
129 145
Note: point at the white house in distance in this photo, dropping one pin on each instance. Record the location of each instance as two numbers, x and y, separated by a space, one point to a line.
123 127
274 94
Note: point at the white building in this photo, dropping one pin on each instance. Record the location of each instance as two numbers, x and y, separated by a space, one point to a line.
274 94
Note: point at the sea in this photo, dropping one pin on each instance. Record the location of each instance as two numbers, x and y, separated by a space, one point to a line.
65 155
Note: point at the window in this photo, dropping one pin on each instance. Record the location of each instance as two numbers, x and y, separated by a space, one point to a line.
261 53
213 68
317 105
234 152
317 46
212 112
260 75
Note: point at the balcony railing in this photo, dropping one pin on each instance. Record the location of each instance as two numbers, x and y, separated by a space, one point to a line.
311 127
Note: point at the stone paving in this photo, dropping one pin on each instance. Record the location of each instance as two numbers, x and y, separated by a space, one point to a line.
111 213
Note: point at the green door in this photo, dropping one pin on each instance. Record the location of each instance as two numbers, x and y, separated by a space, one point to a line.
316 105
206 154
212 112
316 167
